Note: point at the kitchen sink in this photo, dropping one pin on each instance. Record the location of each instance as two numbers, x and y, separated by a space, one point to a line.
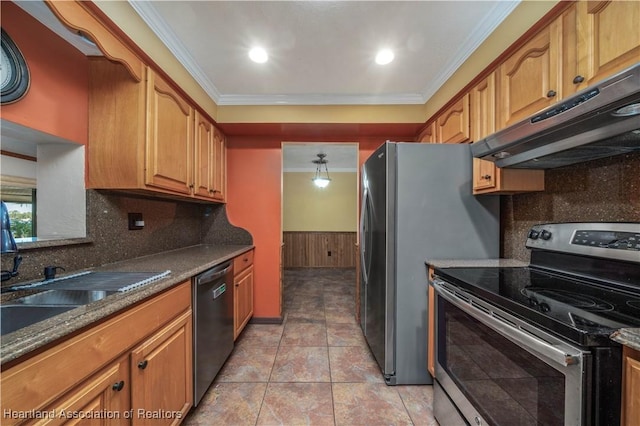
63 294
29 310
63 297
15 317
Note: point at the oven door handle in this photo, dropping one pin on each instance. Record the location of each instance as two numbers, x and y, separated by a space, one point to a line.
563 357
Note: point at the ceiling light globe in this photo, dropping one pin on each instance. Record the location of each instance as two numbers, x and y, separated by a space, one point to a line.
384 57
259 55
321 182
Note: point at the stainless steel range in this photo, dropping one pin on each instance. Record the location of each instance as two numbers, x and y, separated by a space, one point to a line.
531 345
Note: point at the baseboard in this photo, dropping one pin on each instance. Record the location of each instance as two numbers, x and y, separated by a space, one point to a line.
263 320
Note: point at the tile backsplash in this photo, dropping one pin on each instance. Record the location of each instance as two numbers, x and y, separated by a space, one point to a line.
168 225
606 190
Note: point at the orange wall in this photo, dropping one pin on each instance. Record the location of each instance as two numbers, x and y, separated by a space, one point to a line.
254 180
58 98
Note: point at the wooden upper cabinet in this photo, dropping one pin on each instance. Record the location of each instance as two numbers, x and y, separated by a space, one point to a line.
452 125
170 137
145 137
219 185
529 80
210 160
483 123
204 156
608 38
428 134
487 178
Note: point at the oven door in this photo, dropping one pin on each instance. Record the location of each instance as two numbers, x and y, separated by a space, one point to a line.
498 370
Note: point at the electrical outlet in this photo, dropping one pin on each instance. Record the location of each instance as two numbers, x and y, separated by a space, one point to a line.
135 221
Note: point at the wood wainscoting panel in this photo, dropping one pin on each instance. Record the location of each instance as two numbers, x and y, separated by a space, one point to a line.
319 249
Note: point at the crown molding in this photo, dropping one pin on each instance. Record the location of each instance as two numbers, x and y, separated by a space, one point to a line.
500 11
159 26
397 99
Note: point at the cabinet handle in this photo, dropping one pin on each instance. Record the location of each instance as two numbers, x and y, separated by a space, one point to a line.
143 364
487 177
118 386
191 185
578 79
551 93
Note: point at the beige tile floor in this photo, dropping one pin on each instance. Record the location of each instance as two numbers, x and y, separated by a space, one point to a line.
315 369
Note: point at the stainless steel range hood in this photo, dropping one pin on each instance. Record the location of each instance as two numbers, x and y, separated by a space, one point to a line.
600 121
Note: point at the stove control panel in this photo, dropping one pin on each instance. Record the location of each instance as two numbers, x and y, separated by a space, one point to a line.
610 240
607 239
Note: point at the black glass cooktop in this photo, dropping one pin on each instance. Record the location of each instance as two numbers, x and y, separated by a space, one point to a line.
582 311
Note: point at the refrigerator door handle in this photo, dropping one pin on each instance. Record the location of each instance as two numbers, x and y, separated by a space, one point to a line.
363 238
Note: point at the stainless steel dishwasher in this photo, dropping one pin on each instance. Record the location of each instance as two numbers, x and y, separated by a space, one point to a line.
212 325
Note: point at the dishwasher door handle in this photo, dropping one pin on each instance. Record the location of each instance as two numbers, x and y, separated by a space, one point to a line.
213 274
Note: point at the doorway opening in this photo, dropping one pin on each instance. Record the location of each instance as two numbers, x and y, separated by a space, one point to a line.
319 225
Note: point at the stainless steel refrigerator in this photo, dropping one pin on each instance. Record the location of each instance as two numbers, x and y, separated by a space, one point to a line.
417 204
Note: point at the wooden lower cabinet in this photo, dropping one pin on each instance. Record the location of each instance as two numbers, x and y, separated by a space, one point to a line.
161 376
630 387
242 292
431 326
96 373
101 400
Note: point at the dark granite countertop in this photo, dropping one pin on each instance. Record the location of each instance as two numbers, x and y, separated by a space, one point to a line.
475 263
183 263
628 336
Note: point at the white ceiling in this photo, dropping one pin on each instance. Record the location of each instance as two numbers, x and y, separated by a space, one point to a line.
322 52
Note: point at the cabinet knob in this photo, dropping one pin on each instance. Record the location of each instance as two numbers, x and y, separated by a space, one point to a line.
487 177
191 185
143 364
118 386
578 79
551 93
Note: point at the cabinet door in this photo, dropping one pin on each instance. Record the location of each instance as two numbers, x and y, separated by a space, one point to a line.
204 157
219 187
631 387
609 38
243 300
428 134
161 374
106 394
529 80
483 123
169 150
452 126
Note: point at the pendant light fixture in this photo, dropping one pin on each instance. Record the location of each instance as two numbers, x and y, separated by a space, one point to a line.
321 179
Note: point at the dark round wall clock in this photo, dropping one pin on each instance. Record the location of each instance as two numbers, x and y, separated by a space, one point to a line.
14 73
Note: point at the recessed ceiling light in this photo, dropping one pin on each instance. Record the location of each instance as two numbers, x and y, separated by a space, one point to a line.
384 56
259 55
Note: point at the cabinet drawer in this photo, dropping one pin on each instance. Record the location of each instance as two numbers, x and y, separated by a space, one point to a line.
240 263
